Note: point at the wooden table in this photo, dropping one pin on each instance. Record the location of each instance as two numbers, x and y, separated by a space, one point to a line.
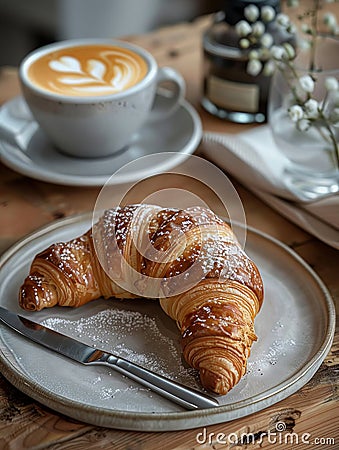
27 204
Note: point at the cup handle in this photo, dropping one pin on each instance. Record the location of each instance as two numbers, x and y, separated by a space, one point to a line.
169 101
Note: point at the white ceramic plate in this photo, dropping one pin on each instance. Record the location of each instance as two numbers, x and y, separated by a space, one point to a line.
25 148
295 329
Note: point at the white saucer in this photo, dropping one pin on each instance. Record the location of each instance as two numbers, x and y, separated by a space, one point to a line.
25 148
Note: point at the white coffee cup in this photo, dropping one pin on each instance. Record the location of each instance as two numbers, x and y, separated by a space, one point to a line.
90 96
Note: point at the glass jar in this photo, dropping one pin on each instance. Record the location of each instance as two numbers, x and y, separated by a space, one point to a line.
229 91
310 145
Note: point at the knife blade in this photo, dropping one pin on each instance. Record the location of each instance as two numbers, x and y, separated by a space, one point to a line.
82 353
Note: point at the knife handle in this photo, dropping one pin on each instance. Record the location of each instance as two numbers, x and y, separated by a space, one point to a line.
187 397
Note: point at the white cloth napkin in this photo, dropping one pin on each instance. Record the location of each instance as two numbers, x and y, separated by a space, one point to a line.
253 158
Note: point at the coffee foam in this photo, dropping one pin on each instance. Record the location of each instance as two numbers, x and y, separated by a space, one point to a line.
89 70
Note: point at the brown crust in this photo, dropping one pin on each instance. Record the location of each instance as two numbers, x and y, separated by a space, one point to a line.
215 316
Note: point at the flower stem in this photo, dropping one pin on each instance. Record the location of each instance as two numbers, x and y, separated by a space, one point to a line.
314 22
335 145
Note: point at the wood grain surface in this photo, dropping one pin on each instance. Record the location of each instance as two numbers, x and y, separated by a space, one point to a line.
27 204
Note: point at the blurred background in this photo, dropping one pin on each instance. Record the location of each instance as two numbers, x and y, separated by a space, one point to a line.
26 25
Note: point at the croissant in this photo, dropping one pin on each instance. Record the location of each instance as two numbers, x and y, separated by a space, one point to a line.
205 281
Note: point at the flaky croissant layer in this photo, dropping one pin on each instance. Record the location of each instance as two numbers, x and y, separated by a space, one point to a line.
215 312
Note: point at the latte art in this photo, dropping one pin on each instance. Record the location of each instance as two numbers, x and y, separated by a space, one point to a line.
88 70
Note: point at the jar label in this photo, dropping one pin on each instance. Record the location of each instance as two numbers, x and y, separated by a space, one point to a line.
232 95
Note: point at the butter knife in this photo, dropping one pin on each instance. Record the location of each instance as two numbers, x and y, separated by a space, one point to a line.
182 395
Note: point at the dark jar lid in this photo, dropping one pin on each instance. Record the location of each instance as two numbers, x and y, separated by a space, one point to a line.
234 9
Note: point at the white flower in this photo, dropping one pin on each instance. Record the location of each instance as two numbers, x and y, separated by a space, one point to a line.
330 21
267 40
304 44
306 112
253 54
254 67
278 52
335 116
303 125
292 29
312 108
289 50
305 28
267 13
335 98
244 43
243 28
307 84
269 68
283 20
258 29
251 12
296 113
331 84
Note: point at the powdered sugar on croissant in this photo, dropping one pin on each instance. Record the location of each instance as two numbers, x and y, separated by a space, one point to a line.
190 259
